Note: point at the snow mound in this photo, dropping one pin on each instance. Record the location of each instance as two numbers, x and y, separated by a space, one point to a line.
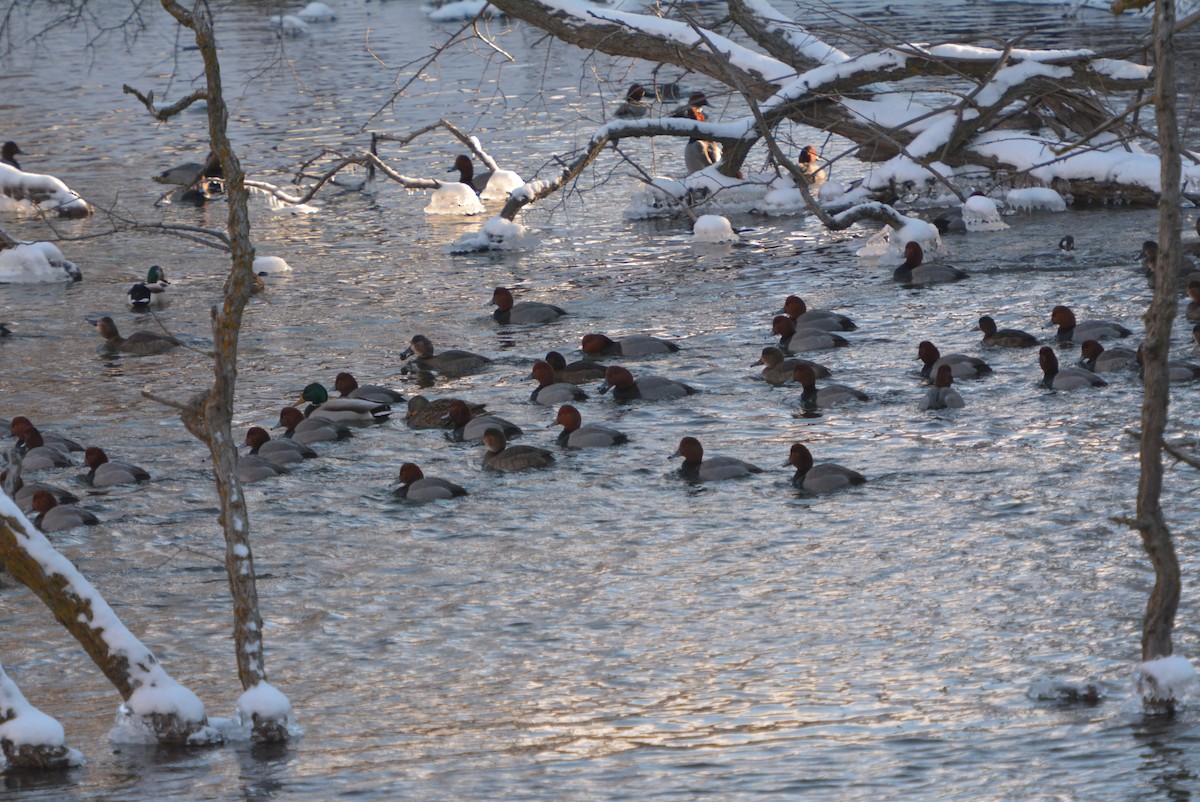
461 11
714 228
1035 199
663 197
289 24
1057 690
34 192
501 184
980 213
1162 683
454 199
317 12
497 234
887 243
36 263
271 266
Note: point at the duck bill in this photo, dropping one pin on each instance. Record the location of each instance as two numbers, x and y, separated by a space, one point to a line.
406 353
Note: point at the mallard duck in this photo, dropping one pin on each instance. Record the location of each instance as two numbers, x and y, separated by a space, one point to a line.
348 410
142 294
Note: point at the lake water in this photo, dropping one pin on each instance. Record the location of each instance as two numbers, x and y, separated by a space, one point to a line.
599 629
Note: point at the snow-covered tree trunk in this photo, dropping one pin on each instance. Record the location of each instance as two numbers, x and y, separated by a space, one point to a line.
29 739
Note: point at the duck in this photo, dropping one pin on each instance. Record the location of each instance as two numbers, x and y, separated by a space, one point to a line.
18 425
1067 379
470 426
778 370
577 372
699 153
1098 359
811 167
648 388
254 469
1178 371
310 430
805 318
55 517
499 456
524 312
576 435
912 271
348 387
448 363
634 106
140 343
23 492
103 473
1069 330
283 451
696 100
828 477
466 173
142 294
1066 250
714 469
416 486
346 410
796 340
827 396
549 391
425 413
8 154
942 395
1004 338
36 455
963 366
632 346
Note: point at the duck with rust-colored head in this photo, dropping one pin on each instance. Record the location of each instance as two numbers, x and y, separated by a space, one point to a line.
942 395
913 271
1071 330
1098 359
812 397
648 388
795 340
416 486
714 469
509 312
593 435
1004 338
577 372
104 473
828 477
550 391
498 455
310 430
470 425
1068 378
55 517
632 346
284 451
962 365
348 387
805 318
779 370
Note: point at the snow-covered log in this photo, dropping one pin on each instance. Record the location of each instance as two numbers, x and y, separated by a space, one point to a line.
30 739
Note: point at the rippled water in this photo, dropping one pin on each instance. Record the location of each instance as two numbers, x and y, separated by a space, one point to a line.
599 630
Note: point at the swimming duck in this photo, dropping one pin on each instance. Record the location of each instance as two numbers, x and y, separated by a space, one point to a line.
153 288
1004 338
499 456
425 413
36 455
578 372
963 366
8 154
348 387
1098 359
346 410
103 473
466 173
648 388
283 451
140 343
18 425
549 391
696 100
5 331
811 167
576 435
714 469
699 153
525 312
913 272
416 486
1177 371
469 427
631 346
310 430
448 363
942 395
808 339
827 477
827 396
779 371
23 492
1067 379
254 469
55 517
805 318
634 106
1071 331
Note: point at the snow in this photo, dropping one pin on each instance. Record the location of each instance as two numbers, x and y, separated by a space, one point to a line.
1107 162
971 52
454 199
26 725
271 266
34 192
1035 199
1165 679
461 11
36 263
888 244
980 213
796 35
497 234
317 12
289 24
1122 70
714 228
1015 74
264 701
501 184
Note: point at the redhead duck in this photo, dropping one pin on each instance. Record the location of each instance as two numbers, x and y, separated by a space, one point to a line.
345 410
8 154
647 388
1071 331
631 346
153 288
36 455
805 318
282 452
1177 371
779 371
466 173
550 392
18 426
714 469
699 153
469 425
103 473
913 272
416 486
310 430
424 413
942 395
963 366
1004 338
348 387
1098 359
811 167
499 456
817 479
448 363
827 396
140 343
55 517
809 339
578 372
1067 379
576 435
1192 312
634 106
254 469
23 492
525 312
